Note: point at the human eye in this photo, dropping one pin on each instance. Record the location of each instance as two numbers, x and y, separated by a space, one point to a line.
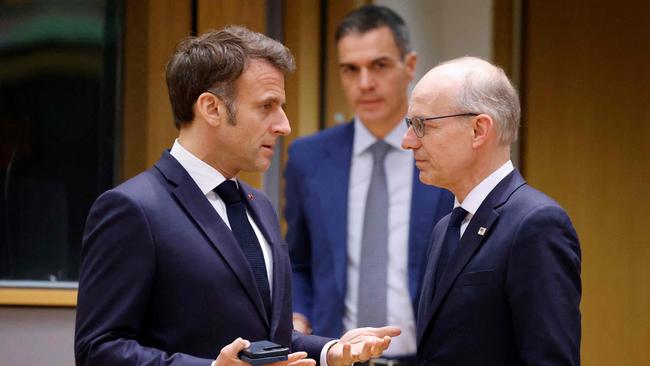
349 69
380 65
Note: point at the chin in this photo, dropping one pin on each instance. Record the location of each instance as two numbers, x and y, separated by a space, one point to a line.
426 179
262 166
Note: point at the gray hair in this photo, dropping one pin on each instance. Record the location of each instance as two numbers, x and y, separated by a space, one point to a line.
487 89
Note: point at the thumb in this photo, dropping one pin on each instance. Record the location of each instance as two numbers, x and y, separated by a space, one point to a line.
233 348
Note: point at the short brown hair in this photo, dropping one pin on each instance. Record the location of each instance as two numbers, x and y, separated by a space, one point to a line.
213 62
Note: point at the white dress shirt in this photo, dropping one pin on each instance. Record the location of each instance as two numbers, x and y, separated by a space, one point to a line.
208 178
399 175
478 194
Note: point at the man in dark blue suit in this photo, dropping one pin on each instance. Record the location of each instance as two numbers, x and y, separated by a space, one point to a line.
184 264
343 202
502 285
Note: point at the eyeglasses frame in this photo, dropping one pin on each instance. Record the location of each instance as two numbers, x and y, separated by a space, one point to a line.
419 121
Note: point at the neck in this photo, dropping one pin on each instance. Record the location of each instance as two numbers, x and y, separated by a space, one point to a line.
383 126
198 144
480 170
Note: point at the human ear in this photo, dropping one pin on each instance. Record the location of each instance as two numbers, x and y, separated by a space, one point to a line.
482 127
210 108
410 61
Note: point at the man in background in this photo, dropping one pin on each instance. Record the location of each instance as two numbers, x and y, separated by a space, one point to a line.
356 213
184 264
502 285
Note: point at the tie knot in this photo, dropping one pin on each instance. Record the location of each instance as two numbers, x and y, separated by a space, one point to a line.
228 191
379 150
457 216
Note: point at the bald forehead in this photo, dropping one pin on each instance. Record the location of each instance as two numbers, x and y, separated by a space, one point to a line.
450 76
433 85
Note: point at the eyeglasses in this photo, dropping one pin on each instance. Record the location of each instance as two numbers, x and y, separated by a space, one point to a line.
418 122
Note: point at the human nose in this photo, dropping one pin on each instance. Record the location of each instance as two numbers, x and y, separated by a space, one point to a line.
282 126
410 141
366 80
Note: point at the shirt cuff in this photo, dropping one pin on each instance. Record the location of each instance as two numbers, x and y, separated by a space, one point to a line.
323 353
213 363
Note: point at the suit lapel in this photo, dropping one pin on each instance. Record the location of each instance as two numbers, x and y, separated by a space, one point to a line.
333 178
428 284
485 219
425 202
207 219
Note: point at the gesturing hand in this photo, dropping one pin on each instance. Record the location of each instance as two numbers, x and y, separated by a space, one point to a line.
361 344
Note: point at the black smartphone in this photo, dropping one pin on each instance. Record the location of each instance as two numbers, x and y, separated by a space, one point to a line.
264 352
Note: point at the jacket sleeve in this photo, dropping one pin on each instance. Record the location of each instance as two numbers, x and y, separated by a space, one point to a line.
115 282
298 238
544 288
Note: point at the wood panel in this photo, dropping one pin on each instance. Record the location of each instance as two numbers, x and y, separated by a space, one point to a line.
38 297
588 127
336 107
153 28
302 37
218 14
503 36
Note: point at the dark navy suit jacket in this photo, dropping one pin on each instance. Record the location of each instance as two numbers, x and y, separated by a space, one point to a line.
510 294
164 282
317 183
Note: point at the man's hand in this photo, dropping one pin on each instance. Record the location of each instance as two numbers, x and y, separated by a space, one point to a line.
229 356
361 344
301 323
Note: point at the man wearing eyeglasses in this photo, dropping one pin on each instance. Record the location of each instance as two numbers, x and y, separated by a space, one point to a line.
502 285
183 265
358 219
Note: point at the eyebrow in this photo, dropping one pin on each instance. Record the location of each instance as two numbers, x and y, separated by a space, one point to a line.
273 99
373 61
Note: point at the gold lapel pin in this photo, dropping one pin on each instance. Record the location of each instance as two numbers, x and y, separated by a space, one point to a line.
482 230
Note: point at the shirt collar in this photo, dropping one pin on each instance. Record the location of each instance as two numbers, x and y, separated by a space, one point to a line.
363 138
206 177
477 195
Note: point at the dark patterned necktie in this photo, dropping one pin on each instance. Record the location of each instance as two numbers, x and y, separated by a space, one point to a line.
451 240
243 231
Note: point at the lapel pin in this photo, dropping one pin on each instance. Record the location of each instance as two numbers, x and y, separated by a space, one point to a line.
482 230
251 197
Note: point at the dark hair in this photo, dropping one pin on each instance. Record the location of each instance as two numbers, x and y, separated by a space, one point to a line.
369 17
213 62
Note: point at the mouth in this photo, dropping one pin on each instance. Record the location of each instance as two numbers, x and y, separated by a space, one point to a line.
268 148
369 101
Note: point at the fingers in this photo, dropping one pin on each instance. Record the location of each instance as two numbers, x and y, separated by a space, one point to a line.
382 332
366 351
233 348
296 356
301 323
347 354
303 362
228 354
380 346
296 359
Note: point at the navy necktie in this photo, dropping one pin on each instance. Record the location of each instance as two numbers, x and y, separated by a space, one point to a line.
243 231
451 240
